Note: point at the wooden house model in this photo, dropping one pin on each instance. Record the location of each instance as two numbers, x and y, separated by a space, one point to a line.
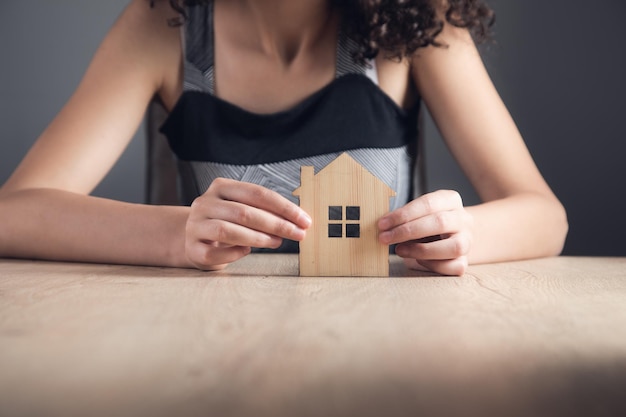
345 202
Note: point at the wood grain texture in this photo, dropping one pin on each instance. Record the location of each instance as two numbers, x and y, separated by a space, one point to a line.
544 337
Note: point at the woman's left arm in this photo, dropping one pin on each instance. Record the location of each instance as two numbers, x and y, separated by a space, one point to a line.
519 218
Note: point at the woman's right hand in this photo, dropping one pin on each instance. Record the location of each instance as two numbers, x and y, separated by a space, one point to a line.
232 216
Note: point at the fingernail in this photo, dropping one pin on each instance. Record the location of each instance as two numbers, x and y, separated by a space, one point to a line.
384 223
298 234
276 242
306 219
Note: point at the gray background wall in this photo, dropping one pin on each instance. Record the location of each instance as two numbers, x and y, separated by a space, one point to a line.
559 66
45 47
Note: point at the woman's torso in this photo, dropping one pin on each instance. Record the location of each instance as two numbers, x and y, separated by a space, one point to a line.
238 115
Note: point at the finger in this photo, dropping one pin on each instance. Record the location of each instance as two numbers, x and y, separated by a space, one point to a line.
254 218
442 200
257 196
412 263
439 223
224 232
451 267
214 257
452 247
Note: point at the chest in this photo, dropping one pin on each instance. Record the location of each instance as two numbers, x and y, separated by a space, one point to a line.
263 87
261 83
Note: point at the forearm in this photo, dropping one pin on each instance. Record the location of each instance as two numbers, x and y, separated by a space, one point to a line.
58 225
519 227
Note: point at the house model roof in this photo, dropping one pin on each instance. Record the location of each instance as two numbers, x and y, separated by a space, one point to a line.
347 168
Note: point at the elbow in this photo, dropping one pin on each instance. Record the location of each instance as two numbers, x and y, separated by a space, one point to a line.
4 239
8 221
559 229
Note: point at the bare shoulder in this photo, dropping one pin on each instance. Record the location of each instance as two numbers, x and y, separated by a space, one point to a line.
145 31
458 57
406 79
149 21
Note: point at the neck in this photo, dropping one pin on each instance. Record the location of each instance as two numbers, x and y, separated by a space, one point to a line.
283 29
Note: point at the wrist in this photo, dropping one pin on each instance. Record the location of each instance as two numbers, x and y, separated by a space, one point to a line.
176 253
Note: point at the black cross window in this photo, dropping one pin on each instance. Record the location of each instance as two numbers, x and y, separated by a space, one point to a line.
337 222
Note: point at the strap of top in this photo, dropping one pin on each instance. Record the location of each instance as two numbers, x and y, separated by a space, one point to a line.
345 63
199 38
199 48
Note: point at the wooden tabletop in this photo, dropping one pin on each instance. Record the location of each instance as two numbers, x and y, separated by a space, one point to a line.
535 338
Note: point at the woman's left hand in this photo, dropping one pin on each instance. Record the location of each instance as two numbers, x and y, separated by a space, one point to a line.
432 232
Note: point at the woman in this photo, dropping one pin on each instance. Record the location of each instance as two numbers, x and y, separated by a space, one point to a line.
254 85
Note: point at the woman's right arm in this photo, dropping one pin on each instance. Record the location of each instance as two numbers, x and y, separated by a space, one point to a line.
45 209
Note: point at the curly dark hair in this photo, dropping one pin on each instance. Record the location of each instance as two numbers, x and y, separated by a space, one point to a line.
400 27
